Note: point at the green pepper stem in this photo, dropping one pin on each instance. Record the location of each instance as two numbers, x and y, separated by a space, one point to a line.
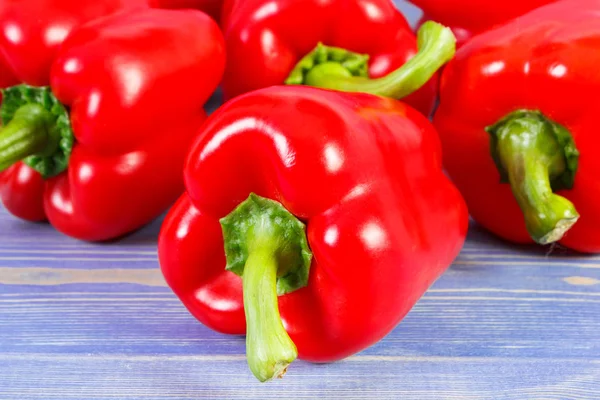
267 246
28 133
268 346
437 46
531 150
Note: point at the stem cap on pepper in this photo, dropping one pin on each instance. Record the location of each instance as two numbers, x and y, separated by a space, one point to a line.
266 245
331 61
36 130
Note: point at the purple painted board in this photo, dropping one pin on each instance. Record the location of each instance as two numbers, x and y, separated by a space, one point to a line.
84 321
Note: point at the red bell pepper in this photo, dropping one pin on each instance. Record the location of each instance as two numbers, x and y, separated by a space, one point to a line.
334 201
270 41
211 7
470 17
99 153
533 175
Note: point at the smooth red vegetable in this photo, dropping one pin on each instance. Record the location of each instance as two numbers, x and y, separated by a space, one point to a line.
269 39
113 161
211 7
470 17
530 83
363 174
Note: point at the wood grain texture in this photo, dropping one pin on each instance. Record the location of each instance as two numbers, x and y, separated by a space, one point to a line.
88 321
96 321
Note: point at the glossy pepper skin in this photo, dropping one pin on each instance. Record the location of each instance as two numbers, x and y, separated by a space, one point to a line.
529 83
211 7
362 172
131 119
267 38
30 44
470 17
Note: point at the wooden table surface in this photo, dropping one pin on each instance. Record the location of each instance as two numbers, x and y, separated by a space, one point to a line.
89 321
84 321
